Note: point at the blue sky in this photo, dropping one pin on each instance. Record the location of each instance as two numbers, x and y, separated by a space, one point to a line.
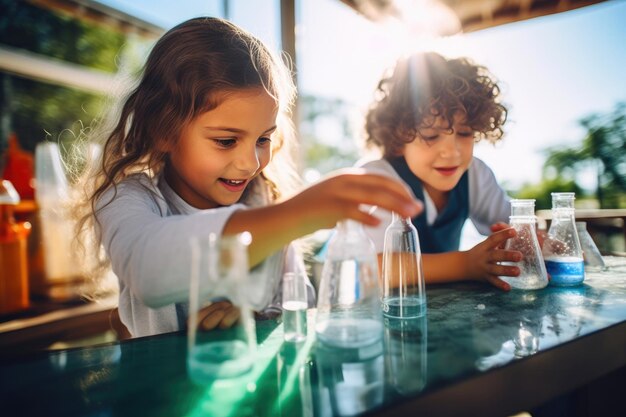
554 69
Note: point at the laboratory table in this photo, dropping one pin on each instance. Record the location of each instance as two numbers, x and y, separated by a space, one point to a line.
478 352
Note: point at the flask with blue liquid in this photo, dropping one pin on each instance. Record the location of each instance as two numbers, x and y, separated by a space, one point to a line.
561 250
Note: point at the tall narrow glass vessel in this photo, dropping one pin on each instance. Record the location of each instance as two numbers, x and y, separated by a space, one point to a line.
403 280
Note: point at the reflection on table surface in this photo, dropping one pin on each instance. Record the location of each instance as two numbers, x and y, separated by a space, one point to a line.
470 329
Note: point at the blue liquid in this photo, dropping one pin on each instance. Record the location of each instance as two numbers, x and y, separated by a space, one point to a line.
405 308
565 272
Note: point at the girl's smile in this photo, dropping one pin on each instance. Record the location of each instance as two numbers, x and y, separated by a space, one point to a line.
235 186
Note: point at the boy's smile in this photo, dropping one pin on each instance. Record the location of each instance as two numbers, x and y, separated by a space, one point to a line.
447 171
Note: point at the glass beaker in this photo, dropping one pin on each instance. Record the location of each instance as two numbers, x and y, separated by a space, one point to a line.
403 279
348 306
591 253
294 306
533 274
219 267
561 250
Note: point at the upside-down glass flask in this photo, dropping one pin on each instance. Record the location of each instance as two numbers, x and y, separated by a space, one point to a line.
591 254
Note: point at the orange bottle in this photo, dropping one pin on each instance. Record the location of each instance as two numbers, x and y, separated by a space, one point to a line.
13 253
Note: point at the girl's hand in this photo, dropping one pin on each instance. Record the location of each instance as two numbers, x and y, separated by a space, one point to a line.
483 259
345 194
221 314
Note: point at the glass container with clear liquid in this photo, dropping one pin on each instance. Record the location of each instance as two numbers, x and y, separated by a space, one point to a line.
561 250
403 279
533 274
348 305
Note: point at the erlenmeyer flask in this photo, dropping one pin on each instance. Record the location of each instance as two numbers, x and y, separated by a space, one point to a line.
533 274
348 306
561 249
403 279
591 253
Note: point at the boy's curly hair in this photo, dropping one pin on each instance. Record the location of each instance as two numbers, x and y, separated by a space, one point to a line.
426 85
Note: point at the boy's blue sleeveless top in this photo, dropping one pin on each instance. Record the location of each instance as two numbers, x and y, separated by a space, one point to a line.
444 235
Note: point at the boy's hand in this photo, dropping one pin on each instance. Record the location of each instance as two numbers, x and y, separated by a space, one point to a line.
221 314
483 259
496 227
542 235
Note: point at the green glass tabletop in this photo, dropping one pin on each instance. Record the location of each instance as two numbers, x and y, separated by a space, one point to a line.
471 331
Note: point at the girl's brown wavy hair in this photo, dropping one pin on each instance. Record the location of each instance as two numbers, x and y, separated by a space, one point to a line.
188 71
425 85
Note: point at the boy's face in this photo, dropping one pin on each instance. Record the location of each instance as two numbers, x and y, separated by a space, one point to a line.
222 150
440 156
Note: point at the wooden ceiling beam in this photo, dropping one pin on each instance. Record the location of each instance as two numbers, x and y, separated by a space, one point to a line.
480 14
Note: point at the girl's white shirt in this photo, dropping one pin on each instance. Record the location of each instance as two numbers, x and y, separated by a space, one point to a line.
488 202
146 227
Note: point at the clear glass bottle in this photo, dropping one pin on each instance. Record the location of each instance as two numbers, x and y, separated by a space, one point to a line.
533 274
591 253
403 279
348 305
561 249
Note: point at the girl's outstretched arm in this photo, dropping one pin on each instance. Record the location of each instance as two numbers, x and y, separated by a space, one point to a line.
481 263
320 206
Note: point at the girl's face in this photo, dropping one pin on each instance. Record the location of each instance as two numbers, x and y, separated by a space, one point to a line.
222 150
439 156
